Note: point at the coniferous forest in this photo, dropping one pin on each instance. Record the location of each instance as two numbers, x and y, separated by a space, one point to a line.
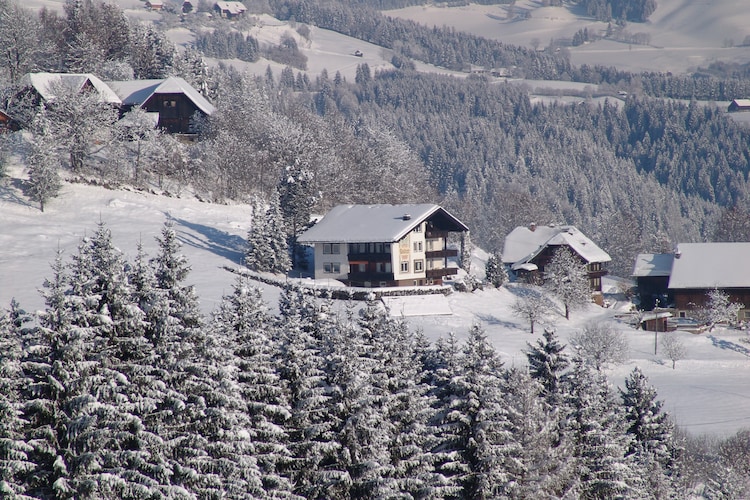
122 389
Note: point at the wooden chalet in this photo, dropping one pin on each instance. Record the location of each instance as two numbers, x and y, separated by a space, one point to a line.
527 250
229 10
173 99
384 245
699 268
154 4
739 105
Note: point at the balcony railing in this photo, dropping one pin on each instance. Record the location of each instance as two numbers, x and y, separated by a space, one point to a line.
441 254
439 273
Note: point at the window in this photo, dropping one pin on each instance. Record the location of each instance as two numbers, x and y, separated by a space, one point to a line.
417 246
418 229
331 248
418 266
404 266
332 267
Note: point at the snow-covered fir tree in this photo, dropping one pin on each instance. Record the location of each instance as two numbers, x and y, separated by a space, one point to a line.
302 328
475 444
599 442
547 363
296 198
243 319
43 162
267 248
652 430
566 278
14 450
494 270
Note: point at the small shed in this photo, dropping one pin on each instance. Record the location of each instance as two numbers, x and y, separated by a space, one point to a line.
739 105
154 4
655 321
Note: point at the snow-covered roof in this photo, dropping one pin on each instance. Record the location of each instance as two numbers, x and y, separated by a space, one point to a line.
374 223
711 265
743 103
233 8
653 264
44 84
525 243
137 92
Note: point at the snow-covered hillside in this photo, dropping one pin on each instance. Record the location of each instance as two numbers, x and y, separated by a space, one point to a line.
707 391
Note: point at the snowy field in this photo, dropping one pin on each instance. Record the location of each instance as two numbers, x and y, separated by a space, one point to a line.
707 392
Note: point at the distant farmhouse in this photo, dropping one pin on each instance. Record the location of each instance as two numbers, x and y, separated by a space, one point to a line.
41 87
527 250
229 10
696 269
384 245
739 105
154 4
173 101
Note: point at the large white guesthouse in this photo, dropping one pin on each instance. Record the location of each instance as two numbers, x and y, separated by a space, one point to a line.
384 245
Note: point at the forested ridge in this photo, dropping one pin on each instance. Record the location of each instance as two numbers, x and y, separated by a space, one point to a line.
120 388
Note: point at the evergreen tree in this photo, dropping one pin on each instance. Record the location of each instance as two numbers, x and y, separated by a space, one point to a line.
14 450
243 319
547 362
268 250
565 276
296 199
598 437
43 163
312 427
475 442
537 466
653 433
494 270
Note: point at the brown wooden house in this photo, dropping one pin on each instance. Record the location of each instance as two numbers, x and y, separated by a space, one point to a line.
699 268
527 250
173 99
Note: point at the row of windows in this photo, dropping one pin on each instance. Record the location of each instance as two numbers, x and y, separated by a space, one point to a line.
358 248
382 267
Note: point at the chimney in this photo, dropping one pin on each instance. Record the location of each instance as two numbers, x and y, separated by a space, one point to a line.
532 227
406 217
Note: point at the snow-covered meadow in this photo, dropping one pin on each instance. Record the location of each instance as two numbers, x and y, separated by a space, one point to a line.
707 391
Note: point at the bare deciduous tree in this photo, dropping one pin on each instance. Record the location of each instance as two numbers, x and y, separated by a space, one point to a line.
600 344
672 347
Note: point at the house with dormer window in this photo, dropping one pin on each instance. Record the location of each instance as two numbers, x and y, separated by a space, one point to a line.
384 245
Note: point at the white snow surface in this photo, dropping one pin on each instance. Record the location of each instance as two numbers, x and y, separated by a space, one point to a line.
707 392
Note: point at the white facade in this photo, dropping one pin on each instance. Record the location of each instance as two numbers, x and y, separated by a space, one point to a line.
331 261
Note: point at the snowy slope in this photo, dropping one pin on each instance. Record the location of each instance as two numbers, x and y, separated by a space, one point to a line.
707 392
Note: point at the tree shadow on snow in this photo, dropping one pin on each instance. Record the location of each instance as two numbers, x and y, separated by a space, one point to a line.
9 191
725 344
221 243
493 320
